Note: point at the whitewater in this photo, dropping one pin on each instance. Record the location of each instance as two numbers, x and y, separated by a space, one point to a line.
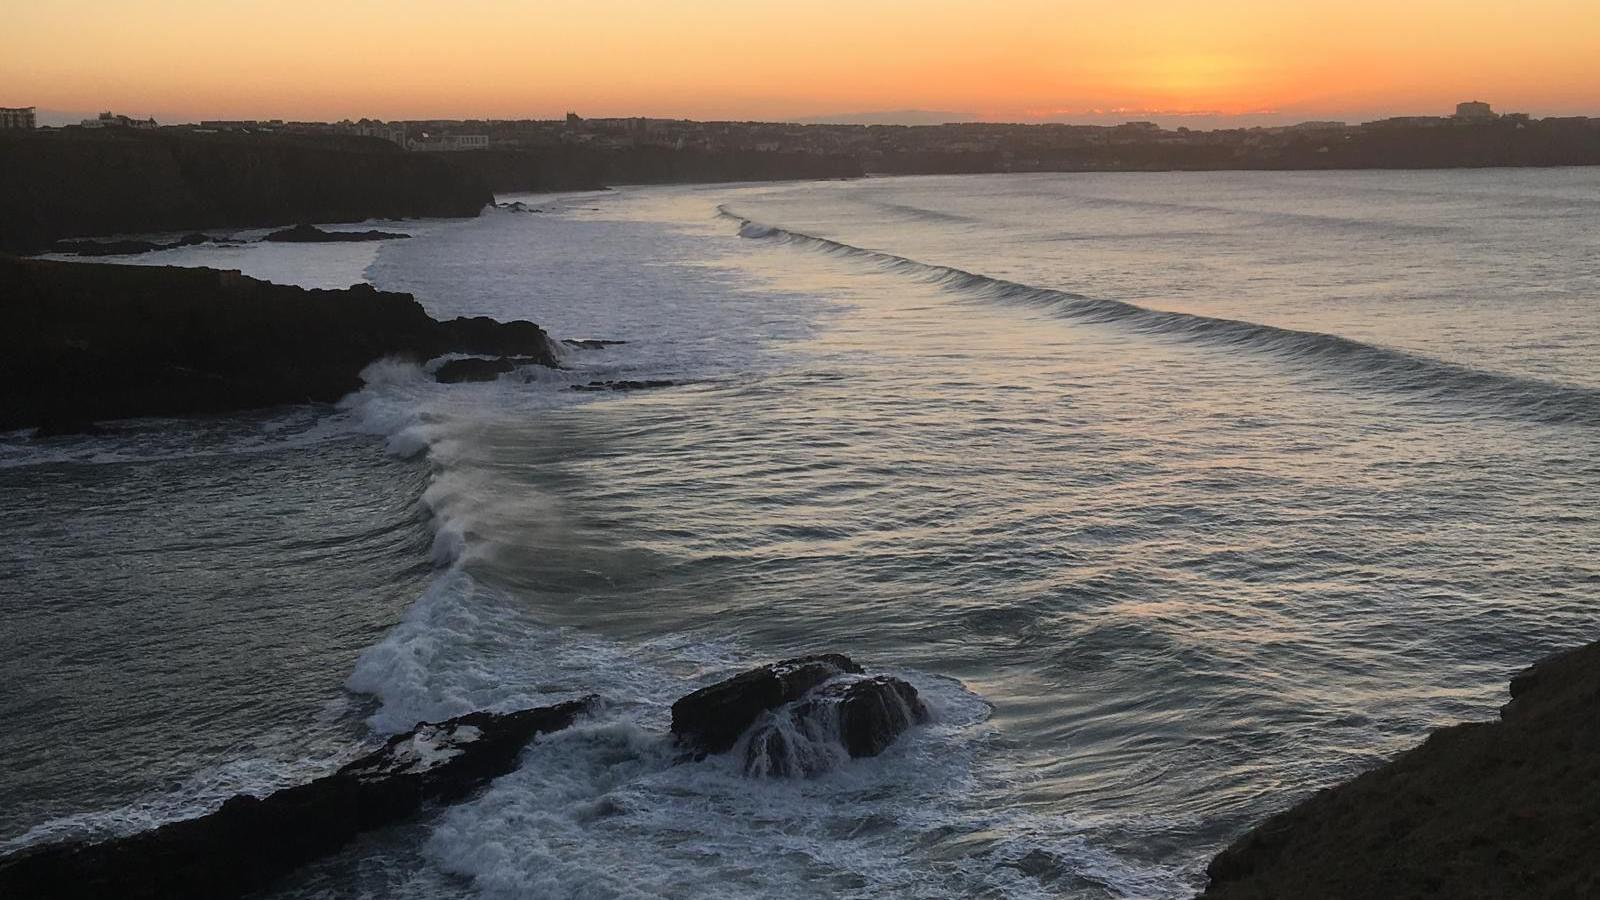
1176 496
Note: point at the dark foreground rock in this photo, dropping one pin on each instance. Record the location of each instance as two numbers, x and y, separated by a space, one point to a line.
311 234
249 842
82 342
1507 809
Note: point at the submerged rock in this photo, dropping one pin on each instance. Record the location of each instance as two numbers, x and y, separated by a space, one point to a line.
310 234
251 841
623 385
711 719
1506 809
590 343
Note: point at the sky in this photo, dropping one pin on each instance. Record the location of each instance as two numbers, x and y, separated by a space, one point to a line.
1213 63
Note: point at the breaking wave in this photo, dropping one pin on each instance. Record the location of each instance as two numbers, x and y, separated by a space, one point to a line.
1420 379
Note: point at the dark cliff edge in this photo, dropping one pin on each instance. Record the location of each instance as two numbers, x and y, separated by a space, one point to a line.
1504 809
81 183
82 342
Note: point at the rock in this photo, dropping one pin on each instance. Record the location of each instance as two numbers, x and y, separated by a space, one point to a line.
473 369
310 234
486 336
846 717
873 712
249 841
590 343
622 385
86 342
711 719
127 247
1506 809
476 369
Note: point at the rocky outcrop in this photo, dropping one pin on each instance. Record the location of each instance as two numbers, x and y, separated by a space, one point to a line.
478 369
250 841
311 234
798 717
1506 809
845 717
66 183
81 342
130 247
711 719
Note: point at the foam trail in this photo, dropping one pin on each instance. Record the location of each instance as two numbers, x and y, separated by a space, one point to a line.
1382 368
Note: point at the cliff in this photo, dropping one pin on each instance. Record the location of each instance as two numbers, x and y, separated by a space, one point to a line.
76 183
81 342
1503 809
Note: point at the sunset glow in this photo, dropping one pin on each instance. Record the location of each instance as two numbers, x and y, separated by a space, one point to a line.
709 59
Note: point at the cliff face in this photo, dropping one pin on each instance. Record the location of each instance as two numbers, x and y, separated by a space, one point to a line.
81 342
1503 809
60 184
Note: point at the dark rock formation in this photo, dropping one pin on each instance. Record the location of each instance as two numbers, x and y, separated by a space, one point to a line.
251 841
311 234
845 717
476 369
64 183
1507 809
128 247
623 385
81 342
711 719
590 343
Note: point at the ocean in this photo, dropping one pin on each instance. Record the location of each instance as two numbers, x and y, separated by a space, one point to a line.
1177 496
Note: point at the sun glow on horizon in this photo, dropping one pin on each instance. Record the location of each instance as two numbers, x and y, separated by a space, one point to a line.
718 59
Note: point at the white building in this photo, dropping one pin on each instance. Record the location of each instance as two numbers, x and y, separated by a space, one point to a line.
16 117
1474 110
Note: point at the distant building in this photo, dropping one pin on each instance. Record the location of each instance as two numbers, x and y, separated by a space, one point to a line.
450 142
1474 110
111 120
16 117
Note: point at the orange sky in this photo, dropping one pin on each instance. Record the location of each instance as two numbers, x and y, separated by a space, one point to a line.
768 59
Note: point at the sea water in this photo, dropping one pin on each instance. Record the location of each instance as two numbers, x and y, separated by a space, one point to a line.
1177 496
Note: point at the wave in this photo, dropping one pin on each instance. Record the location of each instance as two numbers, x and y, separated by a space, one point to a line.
1420 378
